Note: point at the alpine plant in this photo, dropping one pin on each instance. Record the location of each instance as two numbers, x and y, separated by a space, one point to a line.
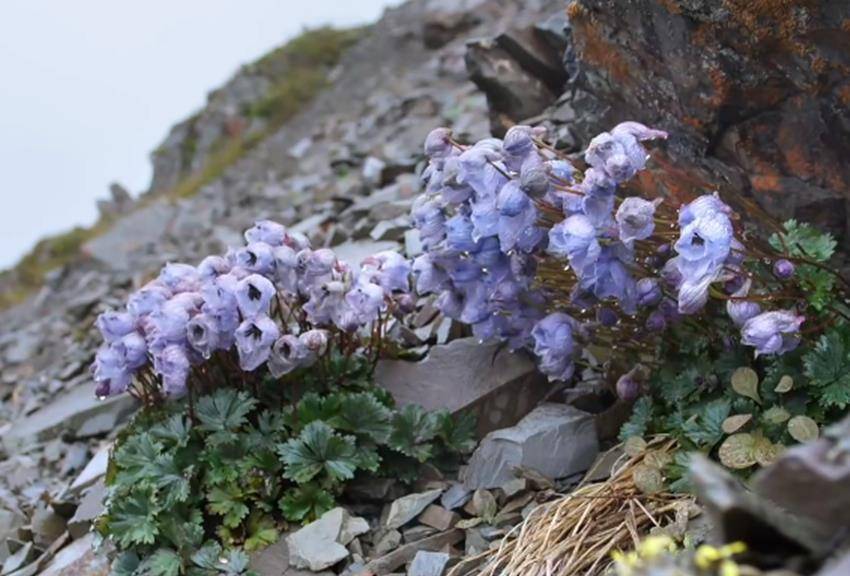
559 256
272 306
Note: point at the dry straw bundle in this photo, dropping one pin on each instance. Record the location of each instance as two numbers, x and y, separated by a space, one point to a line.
575 534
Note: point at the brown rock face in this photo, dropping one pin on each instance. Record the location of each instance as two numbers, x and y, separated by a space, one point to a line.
755 94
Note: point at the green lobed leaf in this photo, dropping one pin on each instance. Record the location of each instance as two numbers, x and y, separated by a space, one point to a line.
362 414
317 450
163 562
638 422
262 532
827 366
222 413
227 502
132 519
305 503
457 431
413 431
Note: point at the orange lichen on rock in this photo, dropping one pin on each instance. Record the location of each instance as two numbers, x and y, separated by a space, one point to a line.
722 87
595 50
575 10
671 6
844 94
766 20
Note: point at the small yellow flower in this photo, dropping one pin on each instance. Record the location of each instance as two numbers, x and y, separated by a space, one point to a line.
729 568
655 546
706 556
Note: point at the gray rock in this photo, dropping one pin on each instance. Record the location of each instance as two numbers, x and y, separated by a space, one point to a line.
428 564
79 557
94 470
456 496
73 411
438 517
390 229
397 558
91 506
811 480
409 507
135 232
737 514
499 386
388 542
273 560
23 347
320 544
555 440
417 533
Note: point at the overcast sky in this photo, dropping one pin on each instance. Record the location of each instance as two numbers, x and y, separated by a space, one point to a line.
89 87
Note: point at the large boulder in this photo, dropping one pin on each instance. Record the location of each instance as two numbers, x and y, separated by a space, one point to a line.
499 386
555 440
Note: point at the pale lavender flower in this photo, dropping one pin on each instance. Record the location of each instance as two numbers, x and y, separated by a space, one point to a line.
110 372
366 300
133 350
180 277
429 219
517 219
254 340
326 303
636 218
166 326
286 270
288 353
429 278
114 325
575 239
202 333
459 230
315 340
389 269
257 257
774 332
147 299
212 267
172 364
554 346
266 231
619 153
740 311
254 295
438 143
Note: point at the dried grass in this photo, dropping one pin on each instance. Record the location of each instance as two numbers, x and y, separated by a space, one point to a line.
575 534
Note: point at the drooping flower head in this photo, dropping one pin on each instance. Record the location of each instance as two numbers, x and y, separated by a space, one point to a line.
774 332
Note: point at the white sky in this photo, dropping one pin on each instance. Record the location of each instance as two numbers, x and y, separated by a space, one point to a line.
89 87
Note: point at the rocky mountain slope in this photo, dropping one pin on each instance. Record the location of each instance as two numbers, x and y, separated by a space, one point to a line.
754 96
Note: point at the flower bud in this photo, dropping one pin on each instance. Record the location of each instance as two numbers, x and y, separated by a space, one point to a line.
783 269
648 292
628 387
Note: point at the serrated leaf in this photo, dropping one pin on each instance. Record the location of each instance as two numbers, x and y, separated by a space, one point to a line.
775 415
227 503
363 415
745 382
734 423
136 458
738 451
648 479
705 429
786 383
234 563
457 431
262 532
163 562
803 429
315 408
223 413
827 366
413 431
367 458
185 531
208 556
638 422
306 503
318 449
804 240
132 519
173 431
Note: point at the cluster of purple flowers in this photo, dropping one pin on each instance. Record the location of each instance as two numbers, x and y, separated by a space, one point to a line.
275 300
502 221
